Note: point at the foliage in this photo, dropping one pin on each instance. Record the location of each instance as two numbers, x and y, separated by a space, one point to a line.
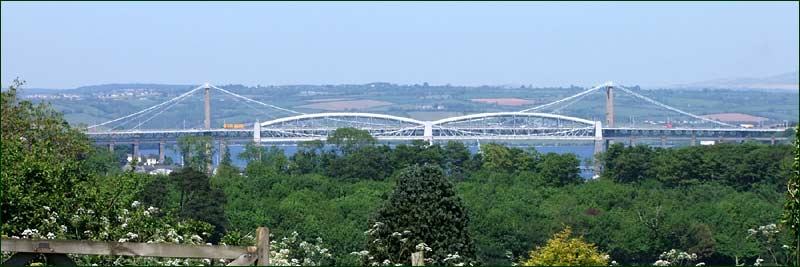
196 199
701 200
197 152
41 163
559 169
349 139
424 208
499 158
630 164
675 257
743 166
564 250
262 161
791 214
126 223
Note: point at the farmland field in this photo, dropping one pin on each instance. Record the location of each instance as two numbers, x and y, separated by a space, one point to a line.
346 105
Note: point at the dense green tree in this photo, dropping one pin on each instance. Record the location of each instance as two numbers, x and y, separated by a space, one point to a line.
424 208
197 152
456 156
627 164
198 200
347 140
365 163
308 158
560 169
791 214
41 162
101 162
263 160
501 158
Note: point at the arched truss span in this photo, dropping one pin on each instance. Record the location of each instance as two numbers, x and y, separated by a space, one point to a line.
320 125
513 115
513 125
502 125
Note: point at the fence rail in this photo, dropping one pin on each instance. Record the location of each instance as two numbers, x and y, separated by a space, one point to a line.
55 251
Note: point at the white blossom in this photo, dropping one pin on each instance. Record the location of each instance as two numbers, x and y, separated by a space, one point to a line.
135 204
30 233
422 247
661 263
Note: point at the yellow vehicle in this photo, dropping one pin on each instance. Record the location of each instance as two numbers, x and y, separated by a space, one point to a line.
233 126
748 126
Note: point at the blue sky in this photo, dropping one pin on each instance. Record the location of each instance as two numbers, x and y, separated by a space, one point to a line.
66 45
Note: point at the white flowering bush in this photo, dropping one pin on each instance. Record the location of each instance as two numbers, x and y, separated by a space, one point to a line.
675 257
768 239
395 248
288 251
134 224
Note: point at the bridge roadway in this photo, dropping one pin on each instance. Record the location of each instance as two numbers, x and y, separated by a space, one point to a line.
600 136
472 133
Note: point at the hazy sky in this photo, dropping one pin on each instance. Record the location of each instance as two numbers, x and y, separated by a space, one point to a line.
65 45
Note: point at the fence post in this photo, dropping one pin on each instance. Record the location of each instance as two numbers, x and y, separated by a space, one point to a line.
262 242
417 259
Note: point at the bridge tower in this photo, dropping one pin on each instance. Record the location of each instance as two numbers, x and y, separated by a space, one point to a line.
207 126
207 106
610 104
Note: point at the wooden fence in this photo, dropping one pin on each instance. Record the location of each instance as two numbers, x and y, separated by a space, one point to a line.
55 251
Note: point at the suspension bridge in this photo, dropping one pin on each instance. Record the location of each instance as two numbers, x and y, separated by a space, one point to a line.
526 124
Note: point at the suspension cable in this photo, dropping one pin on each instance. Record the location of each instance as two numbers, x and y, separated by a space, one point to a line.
159 113
148 109
671 108
566 99
255 101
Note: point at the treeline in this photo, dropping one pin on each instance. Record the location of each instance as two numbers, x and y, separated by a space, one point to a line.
349 201
702 200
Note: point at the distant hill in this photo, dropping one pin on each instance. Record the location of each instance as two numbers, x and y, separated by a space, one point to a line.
785 81
102 88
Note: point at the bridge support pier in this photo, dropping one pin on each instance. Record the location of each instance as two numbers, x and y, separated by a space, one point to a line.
427 133
663 141
772 140
693 141
257 133
599 147
161 153
111 147
632 141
